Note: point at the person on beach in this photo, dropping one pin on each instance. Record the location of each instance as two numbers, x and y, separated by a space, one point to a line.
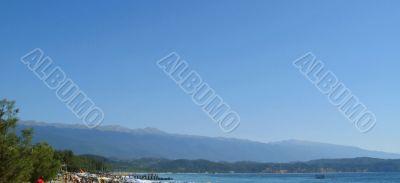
66 178
40 180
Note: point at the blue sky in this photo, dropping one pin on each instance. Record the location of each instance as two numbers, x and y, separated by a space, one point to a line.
243 49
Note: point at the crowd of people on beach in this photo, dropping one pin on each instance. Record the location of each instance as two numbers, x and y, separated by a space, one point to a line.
84 177
72 178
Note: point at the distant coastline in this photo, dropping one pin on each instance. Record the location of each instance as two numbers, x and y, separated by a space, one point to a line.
327 166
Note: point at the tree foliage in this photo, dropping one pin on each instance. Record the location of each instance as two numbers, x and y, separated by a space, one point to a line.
20 161
75 163
44 163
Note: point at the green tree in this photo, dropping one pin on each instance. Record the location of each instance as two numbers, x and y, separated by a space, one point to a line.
15 161
44 163
20 161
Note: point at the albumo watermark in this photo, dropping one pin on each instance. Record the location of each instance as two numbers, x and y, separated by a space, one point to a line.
338 94
201 93
65 89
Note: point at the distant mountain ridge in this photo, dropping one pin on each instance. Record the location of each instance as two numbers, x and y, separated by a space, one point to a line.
116 128
123 143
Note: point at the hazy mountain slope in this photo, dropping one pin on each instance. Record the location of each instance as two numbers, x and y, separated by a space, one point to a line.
123 143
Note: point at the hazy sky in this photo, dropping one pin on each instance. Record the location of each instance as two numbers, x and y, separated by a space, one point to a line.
243 49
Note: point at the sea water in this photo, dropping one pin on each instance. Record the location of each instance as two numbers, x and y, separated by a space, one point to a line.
287 178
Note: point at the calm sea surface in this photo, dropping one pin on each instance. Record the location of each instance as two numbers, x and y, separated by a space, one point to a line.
287 178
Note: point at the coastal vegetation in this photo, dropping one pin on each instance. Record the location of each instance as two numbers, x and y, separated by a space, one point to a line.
77 163
23 161
20 160
362 164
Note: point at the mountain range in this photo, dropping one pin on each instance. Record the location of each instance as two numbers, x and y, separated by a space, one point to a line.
122 143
